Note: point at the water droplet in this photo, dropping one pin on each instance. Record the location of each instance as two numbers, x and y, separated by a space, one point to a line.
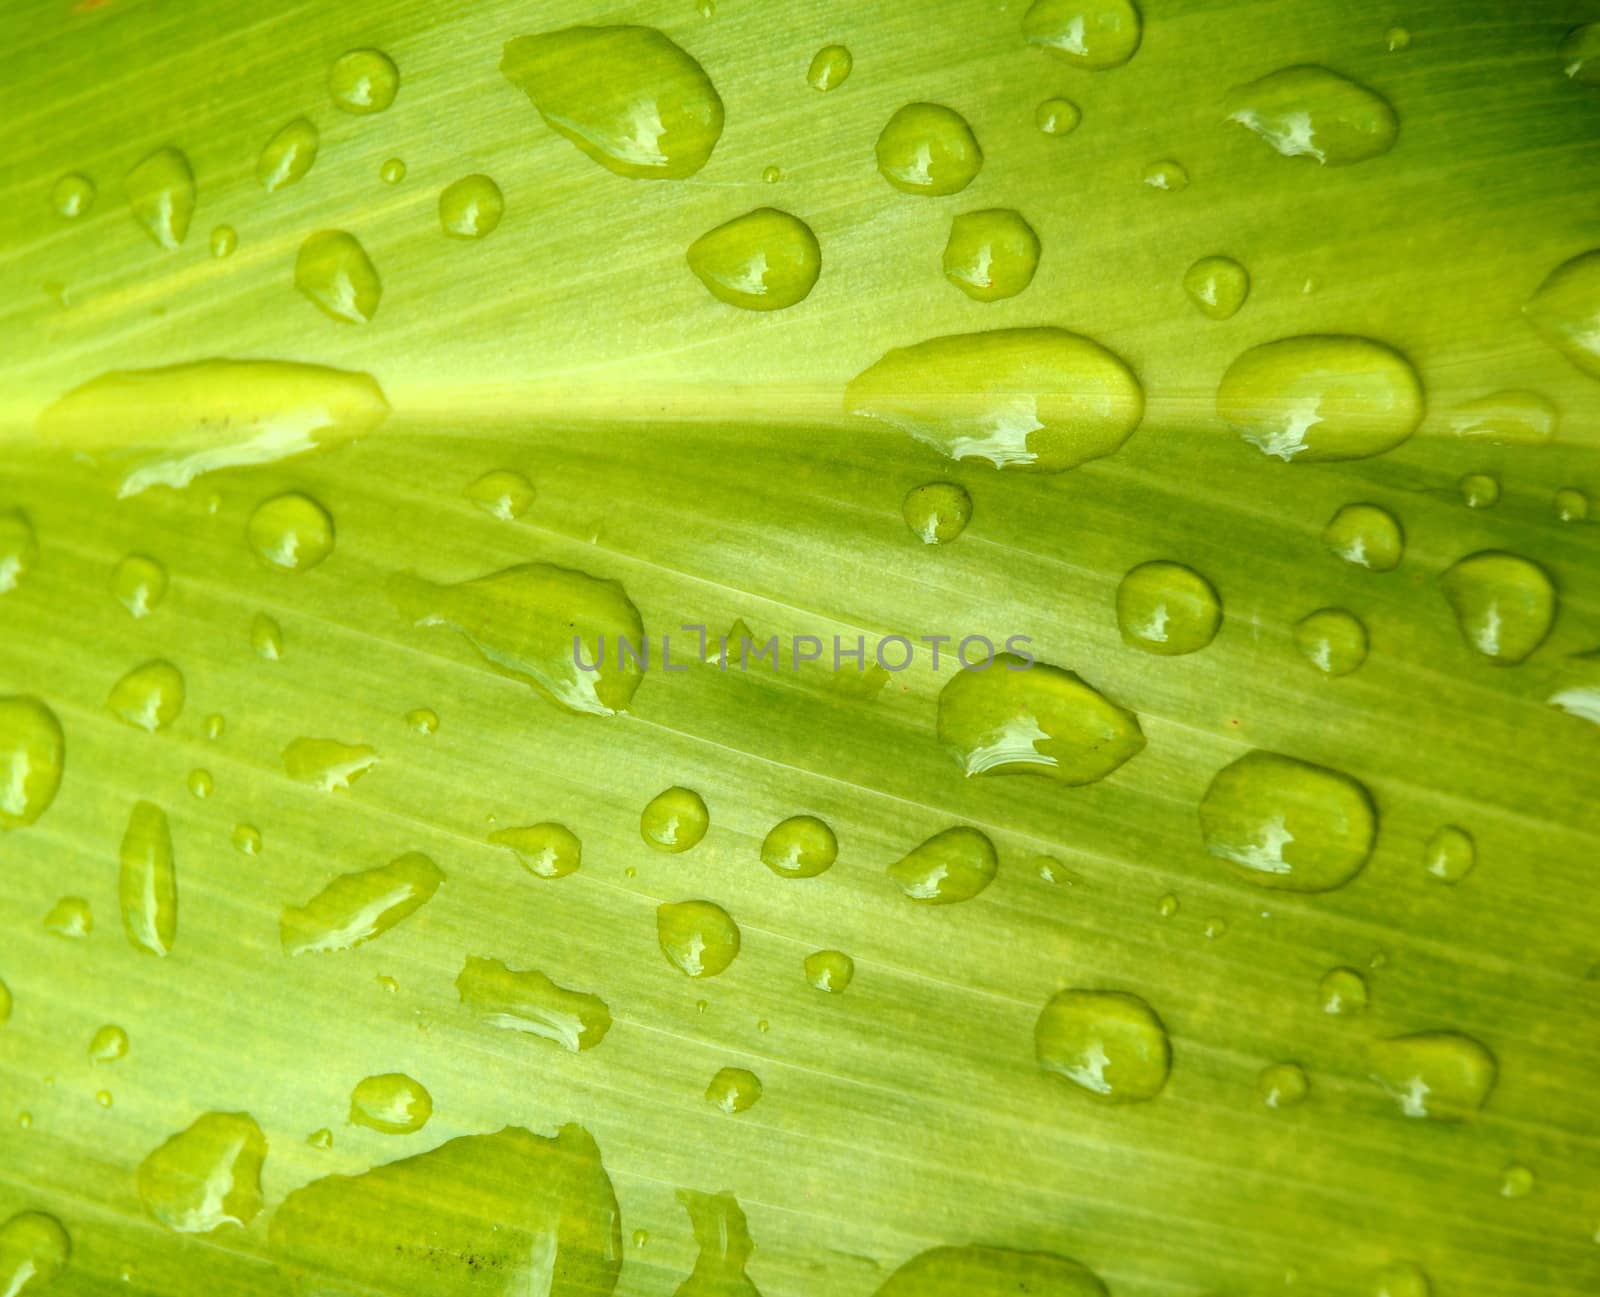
534 622
336 275
5 1002
1579 53
829 970
200 783
1166 608
953 865
1110 1043
108 1044
288 155
1516 1181
829 67
770 175
1396 39
358 906
991 254
1215 928
1401 1280
1041 720
544 850
800 847
1283 1085
706 8
699 938
530 1002
1168 906
1042 400
390 985
393 171
72 195
765 260
320 1139
1479 491
937 512
34 1249
640 1237
209 415
291 531
1571 505
1366 535
25 1120
1217 286
1504 604
247 839
723 1238
1057 116
626 96
70 917
1093 34
1565 310
734 1089
1288 824
423 720
150 697
1450 854
1167 175
1321 397
391 1103
224 239
363 81
266 637
510 1212
327 764
19 548
1509 418
471 208
675 820
1342 991
928 149
1310 112
32 755
1439 1074
206 1176
975 1271
1332 640
148 881
161 195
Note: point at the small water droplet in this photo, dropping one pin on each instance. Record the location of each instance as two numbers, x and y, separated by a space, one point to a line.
1110 1043
991 254
545 850
699 938
1443 1075
706 8
224 240
1516 1181
937 512
1332 640
765 260
266 637
640 1237
70 917
674 820
1579 53
423 720
1217 286
1057 116
1308 111
471 208
25 1120
34 1249
327 764
150 697
1504 604
1283 1085
356 907
1167 608
1366 535
829 67
108 1044
161 195
288 155
1093 34
1401 1279
5 1002
1342 991
1168 906
363 81
19 548
1479 491
1564 309
205 1176
320 1139
829 970
247 839
201 784
334 272
1215 928
503 493
771 175
928 149
953 865
530 1002
1167 175
1450 854
148 881
1571 505
734 1089
32 756
391 1103
393 171
291 532
72 195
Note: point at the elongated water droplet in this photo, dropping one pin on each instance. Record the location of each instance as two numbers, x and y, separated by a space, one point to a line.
627 96
1321 397
1308 111
1283 1085
291 531
1511 418
471 208
1217 286
734 1089
212 414
991 254
1579 53
765 260
1093 34
1167 608
1332 640
1565 310
1288 824
34 1249
148 881
327 764
723 1238
531 1002
72 195
1401 1280
1042 400
358 906
545 850
1367 535
139 584
928 149
150 697
830 970
1504 604
536 623
1443 1075
800 847
206 1176
336 275
1450 854
699 938
953 865
363 81
19 548
937 512
1342 991
1110 1043
32 757
526 1214
1013 719
829 67
391 1103
1057 116
674 820
161 195
108 1044
288 155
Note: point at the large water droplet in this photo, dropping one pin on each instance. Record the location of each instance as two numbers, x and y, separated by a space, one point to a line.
1367 535
991 254
288 155
1342 991
723 1238
358 906
336 275
471 208
1511 418
72 195
1565 310
1450 854
1110 1043
161 195
1007 720
734 1089
937 512
1504 604
363 81
800 847
34 1249
291 531
1444 1075
1310 112
19 548
391 1103
148 880
830 970
674 820
1579 53
1321 397
546 850
1093 34
953 865
765 260
327 764
928 149
627 96
699 938
1288 824
1332 640
150 697
1040 399
829 67
1217 286
32 756
206 1176
531 1002
1167 608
